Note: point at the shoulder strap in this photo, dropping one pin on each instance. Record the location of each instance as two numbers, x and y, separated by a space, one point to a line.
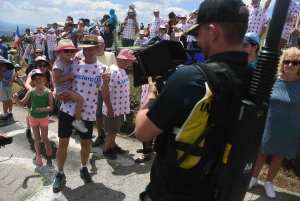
220 79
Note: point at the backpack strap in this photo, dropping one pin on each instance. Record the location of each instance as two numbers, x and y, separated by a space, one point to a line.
220 79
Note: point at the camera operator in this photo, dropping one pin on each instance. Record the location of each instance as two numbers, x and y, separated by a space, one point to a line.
220 29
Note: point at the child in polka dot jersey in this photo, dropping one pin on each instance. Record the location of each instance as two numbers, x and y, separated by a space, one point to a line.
62 79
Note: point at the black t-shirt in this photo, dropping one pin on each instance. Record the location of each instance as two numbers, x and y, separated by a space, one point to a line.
182 91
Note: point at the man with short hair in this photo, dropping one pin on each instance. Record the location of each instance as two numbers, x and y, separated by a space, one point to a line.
142 39
251 47
220 31
258 17
86 83
87 25
51 44
108 59
156 23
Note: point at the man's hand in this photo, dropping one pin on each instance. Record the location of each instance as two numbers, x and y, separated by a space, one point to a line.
152 87
15 96
110 113
105 76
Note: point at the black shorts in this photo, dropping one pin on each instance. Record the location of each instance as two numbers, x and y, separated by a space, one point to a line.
65 127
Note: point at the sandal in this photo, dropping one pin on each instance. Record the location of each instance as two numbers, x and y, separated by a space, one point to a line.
49 151
142 160
39 160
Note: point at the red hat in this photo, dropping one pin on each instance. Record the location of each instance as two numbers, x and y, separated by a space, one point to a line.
65 44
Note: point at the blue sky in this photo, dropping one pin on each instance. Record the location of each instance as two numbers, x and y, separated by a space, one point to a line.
41 12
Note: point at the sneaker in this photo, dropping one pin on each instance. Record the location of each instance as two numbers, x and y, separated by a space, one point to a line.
28 133
85 175
39 160
80 126
10 115
143 159
141 150
60 181
99 140
109 154
2 117
270 192
118 150
253 183
49 151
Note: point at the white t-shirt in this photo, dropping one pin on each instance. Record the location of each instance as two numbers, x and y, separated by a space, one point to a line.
119 91
182 27
38 38
86 83
294 9
166 37
155 24
129 30
51 41
257 19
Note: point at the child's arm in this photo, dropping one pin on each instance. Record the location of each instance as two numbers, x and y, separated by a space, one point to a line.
24 100
58 80
49 107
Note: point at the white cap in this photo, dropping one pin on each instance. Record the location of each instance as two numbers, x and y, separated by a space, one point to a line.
132 6
142 32
51 30
183 16
178 15
162 26
155 10
176 34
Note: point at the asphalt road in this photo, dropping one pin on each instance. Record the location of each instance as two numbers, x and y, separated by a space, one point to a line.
116 180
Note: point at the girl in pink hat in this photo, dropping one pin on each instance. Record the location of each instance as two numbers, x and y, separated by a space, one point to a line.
62 79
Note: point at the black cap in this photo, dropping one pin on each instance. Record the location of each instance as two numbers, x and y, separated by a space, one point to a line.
86 20
218 11
105 16
69 24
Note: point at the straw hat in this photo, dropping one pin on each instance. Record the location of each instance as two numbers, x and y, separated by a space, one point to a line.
89 41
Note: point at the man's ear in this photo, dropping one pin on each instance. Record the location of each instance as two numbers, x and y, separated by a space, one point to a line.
214 32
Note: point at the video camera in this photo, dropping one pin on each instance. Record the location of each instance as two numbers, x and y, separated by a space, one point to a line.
158 60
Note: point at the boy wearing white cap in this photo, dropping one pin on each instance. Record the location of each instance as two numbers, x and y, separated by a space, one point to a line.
142 39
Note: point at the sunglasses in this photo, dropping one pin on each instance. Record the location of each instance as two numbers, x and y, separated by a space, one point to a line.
294 63
39 52
42 65
69 50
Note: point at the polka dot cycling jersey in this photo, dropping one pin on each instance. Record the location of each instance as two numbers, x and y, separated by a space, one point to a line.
119 91
86 83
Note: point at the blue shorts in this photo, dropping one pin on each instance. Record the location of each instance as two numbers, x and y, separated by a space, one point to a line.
99 105
51 55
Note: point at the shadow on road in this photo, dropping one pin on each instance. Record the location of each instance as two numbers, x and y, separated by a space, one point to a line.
92 191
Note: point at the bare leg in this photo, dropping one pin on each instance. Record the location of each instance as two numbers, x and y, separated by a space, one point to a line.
276 164
99 124
62 153
37 139
261 158
110 141
85 151
5 106
44 135
79 103
10 105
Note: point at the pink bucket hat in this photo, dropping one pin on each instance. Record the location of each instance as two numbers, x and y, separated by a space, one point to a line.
126 54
